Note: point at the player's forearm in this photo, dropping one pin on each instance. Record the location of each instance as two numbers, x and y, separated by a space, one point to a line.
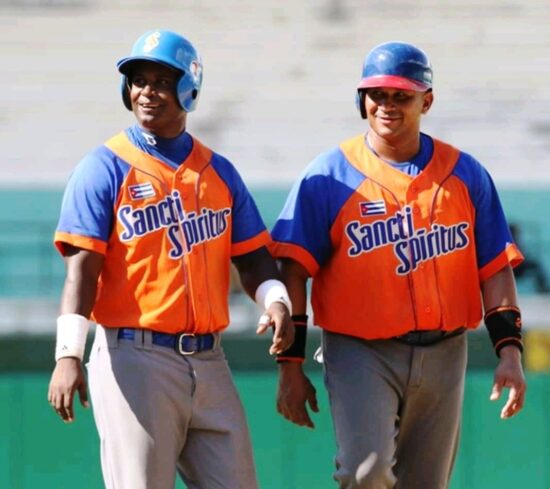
80 288
295 278
502 315
499 289
255 268
78 297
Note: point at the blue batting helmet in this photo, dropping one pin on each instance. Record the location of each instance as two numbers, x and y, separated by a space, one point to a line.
172 50
394 65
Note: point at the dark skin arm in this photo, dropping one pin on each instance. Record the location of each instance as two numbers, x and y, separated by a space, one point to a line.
82 272
79 293
254 268
500 290
295 390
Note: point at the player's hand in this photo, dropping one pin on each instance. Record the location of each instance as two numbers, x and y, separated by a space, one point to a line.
294 393
509 374
278 317
67 378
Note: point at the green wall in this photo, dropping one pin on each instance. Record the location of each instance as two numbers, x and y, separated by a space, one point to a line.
39 451
30 266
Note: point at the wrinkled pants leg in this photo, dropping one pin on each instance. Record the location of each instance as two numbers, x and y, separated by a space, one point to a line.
396 410
218 451
431 415
142 401
364 393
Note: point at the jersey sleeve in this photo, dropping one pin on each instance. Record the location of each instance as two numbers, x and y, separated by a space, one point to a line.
303 229
248 232
86 216
495 247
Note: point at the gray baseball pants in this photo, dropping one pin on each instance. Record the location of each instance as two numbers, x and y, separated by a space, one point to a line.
158 412
396 410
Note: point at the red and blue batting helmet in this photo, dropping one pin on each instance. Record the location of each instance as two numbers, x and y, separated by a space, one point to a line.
172 50
394 65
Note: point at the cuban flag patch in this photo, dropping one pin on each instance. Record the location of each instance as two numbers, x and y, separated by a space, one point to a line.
372 208
141 191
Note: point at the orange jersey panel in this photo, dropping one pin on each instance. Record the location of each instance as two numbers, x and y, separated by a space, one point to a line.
390 253
167 258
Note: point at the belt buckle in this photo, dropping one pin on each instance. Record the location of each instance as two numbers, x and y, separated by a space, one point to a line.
180 349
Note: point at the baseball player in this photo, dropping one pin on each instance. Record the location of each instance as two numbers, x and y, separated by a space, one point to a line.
149 224
407 245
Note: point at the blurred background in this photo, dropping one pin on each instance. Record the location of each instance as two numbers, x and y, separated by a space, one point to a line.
279 87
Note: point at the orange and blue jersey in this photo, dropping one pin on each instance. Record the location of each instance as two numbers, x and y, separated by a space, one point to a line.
394 251
168 214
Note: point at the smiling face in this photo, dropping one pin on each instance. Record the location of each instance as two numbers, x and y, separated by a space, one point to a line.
394 114
152 88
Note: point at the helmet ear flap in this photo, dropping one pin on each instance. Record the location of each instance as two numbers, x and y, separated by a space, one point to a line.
125 91
189 86
360 103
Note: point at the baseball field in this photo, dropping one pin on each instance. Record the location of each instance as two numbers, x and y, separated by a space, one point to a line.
279 87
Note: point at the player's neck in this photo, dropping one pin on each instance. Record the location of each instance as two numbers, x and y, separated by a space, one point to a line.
394 151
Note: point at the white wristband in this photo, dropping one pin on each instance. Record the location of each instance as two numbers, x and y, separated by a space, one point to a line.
272 291
72 331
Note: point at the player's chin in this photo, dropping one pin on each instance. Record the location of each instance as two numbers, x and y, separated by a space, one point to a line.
148 120
384 131
389 129
387 124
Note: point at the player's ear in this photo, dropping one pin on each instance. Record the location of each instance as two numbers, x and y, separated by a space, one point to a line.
427 101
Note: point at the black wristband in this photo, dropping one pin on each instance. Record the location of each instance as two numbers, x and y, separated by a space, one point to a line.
297 352
504 326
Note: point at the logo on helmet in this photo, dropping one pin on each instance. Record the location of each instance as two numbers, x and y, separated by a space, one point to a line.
151 42
195 68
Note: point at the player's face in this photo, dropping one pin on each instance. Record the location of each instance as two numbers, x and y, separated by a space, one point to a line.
395 113
154 102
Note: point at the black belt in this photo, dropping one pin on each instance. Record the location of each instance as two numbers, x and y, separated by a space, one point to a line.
426 338
183 343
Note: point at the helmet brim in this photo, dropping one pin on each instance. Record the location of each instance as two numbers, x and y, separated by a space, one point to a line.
392 81
124 66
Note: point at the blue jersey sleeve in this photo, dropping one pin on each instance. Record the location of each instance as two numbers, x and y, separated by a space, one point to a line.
247 221
492 233
314 202
90 195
